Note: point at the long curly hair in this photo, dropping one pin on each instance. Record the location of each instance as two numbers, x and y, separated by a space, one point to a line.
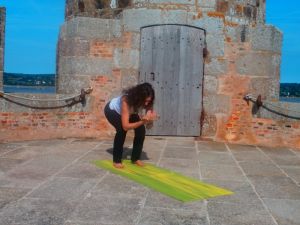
137 95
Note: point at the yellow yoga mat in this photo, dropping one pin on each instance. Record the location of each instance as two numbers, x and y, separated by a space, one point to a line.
170 183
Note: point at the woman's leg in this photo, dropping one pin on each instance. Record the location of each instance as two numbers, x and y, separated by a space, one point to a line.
115 119
139 137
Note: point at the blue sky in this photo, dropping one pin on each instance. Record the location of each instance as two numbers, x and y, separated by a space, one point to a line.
32 31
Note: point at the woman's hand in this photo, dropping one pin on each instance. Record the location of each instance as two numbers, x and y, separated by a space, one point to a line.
150 116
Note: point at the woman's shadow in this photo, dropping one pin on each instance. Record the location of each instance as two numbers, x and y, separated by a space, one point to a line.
127 153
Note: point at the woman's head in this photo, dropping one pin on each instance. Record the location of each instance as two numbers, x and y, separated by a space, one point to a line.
140 96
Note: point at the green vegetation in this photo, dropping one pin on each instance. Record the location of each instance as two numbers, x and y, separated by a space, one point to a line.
29 79
289 90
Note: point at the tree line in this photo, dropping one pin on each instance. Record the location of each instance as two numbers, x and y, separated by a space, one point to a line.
28 79
290 89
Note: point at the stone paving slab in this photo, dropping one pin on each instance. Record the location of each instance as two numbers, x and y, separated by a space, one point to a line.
53 182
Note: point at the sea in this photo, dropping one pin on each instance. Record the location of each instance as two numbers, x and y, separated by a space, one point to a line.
29 89
52 90
289 99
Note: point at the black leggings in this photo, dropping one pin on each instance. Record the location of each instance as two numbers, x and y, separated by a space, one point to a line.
139 135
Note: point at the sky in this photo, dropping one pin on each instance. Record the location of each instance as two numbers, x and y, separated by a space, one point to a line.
32 28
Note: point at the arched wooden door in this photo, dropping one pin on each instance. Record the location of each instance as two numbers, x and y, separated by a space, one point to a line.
172 61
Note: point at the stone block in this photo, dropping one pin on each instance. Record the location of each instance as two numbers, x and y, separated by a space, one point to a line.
210 85
134 59
1 59
74 47
266 38
215 45
258 64
209 126
174 16
126 58
69 84
134 19
84 66
69 28
216 67
268 88
181 2
215 103
212 25
91 28
136 41
237 33
130 77
207 3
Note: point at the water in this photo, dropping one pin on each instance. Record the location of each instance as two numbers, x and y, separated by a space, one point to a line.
289 99
29 89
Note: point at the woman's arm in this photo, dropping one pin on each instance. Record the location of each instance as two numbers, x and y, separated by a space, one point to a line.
125 114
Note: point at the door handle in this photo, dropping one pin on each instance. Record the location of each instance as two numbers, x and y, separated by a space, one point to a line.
152 76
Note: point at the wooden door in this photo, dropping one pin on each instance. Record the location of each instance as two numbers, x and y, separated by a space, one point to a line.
172 61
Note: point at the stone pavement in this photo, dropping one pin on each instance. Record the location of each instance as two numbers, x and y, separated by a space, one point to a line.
53 182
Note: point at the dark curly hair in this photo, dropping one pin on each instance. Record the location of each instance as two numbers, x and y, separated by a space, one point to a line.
137 95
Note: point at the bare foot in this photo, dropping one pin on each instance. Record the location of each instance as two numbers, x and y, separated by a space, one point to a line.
139 163
118 165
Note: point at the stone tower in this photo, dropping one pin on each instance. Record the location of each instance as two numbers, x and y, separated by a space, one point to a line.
101 45
2 42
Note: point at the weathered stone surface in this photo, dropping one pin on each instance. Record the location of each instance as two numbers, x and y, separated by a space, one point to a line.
174 16
266 38
276 187
71 84
84 66
226 172
212 25
74 47
215 45
172 216
285 211
215 103
135 41
238 214
64 188
268 88
207 3
134 19
126 58
239 33
36 211
216 67
129 77
181 2
91 28
112 212
210 84
258 64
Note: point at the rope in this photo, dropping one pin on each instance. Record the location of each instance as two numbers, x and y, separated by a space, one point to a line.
88 90
70 101
258 104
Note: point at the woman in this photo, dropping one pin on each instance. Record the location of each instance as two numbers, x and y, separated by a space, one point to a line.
122 113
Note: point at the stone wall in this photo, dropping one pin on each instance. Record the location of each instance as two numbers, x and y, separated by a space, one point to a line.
2 43
103 52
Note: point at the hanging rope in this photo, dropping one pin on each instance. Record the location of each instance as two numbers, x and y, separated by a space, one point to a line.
69 101
268 106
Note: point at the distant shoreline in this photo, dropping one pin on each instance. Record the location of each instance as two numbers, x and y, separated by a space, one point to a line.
29 86
29 89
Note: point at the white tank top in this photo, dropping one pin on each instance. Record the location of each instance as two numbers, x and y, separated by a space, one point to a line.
115 104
